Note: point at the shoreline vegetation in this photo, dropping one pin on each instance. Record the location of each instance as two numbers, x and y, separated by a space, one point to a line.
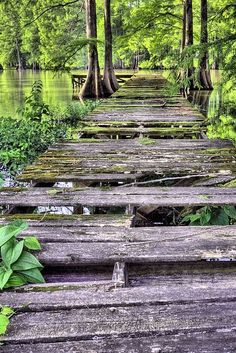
39 126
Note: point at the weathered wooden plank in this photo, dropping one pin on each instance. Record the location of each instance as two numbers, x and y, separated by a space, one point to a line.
41 222
153 250
120 321
152 114
74 176
211 154
154 131
147 124
221 341
57 169
148 119
98 230
127 165
119 197
154 160
136 144
134 162
198 289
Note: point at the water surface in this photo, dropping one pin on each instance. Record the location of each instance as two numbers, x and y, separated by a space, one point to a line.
16 85
217 105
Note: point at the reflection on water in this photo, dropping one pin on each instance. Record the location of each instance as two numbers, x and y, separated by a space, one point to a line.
219 108
16 85
217 105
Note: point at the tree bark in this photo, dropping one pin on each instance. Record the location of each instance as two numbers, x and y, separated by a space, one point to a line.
204 72
189 40
109 78
92 87
183 42
18 52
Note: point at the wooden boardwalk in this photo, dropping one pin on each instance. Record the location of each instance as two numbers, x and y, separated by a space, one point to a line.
120 279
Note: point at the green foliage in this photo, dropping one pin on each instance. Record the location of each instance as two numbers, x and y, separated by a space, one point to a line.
18 266
1 180
36 29
211 215
6 313
223 126
22 140
74 112
34 108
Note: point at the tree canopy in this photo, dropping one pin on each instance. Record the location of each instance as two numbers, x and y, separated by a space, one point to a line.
187 36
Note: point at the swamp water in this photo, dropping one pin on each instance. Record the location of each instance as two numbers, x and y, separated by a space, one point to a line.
218 105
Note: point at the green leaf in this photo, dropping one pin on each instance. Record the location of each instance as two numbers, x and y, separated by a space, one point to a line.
220 218
205 218
195 217
15 280
7 311
4 276
32 243
4 322
11 230
230 211
11 251
26 261
32 276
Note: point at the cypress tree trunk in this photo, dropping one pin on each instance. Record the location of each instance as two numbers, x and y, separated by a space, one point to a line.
18 53
181 74
204 72
109 78
183 42
189 40
92 87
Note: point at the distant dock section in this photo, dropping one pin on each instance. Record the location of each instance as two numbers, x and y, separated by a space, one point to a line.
79 79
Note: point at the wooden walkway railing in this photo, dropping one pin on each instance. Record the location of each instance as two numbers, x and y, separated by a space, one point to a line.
79 79
120 279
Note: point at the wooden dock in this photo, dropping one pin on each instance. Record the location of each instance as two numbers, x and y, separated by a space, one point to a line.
119 279
79 79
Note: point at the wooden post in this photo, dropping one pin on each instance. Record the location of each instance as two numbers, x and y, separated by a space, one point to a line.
120 275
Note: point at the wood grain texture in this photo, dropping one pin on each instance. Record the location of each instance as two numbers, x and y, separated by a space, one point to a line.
182 280
119 197
194 289
221 341
79 324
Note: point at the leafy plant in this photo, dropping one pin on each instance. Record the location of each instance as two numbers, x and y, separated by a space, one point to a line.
5 315
1 180
212 215
22 140
73 113
34 108
18 266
